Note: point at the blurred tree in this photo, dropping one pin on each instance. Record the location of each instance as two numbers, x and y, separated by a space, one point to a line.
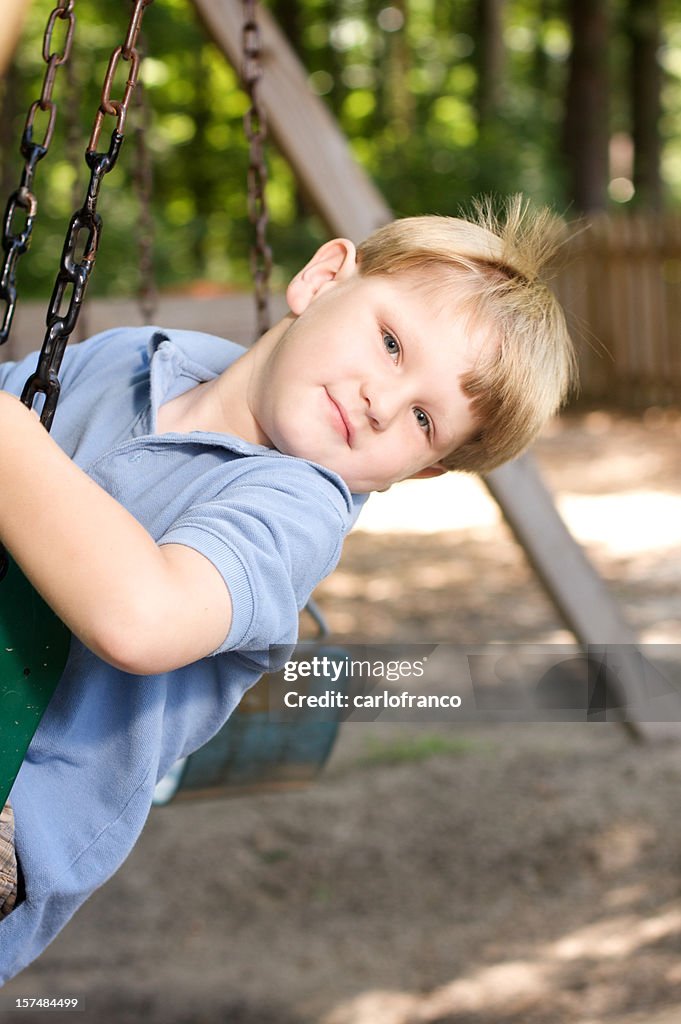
490 62
586 126
645 79
440 100
398 65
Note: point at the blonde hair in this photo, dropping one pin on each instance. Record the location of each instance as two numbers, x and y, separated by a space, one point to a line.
498 260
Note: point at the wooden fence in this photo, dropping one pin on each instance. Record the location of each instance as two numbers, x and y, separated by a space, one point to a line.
621 288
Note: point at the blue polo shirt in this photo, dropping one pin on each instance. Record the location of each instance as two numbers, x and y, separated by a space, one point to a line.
273 526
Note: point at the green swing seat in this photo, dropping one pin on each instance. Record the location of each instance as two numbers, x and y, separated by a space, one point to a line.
251 752
34 646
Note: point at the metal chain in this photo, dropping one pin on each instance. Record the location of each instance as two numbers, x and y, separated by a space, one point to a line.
78 256
15 240
255 126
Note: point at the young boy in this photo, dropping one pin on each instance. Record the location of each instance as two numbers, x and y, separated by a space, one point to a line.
192 495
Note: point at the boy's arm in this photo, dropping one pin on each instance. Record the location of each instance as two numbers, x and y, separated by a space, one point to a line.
141 607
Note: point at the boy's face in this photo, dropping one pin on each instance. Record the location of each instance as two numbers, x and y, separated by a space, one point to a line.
366 379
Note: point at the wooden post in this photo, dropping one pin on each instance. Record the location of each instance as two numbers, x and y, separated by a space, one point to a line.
13 15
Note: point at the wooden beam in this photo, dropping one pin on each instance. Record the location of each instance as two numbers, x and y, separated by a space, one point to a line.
558 560
582 598
301 125
13 15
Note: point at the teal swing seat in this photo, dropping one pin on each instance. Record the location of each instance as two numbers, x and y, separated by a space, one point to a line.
256 750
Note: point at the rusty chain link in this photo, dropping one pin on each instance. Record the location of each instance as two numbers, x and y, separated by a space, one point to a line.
255 127
84 230
15 241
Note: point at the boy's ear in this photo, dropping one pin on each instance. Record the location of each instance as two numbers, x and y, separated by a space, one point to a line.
334 261
437 469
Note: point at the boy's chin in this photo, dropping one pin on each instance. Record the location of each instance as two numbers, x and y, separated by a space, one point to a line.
367 487
362 485
358 486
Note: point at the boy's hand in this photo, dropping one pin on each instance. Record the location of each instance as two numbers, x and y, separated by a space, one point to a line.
140 607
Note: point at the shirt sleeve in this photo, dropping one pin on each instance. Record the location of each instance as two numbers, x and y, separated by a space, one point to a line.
273 537
13 375
80 358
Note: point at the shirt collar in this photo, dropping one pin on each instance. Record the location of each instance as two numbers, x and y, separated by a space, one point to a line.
181 359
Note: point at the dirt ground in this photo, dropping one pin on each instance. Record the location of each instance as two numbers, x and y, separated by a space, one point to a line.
435 874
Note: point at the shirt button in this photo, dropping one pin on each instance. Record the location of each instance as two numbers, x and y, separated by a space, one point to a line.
135 457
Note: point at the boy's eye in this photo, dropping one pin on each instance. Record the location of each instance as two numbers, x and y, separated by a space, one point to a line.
391 344
423 420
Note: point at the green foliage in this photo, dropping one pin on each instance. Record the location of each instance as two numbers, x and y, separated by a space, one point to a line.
401 76
195 139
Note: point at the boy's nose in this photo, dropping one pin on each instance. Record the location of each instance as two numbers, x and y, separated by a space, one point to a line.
382 406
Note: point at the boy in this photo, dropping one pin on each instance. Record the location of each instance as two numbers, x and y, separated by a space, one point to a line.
193 494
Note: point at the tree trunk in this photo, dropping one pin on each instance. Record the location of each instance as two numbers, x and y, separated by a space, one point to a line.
643 23
587 109
398 63
490 60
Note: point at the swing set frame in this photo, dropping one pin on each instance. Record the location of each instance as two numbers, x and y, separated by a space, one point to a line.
349 204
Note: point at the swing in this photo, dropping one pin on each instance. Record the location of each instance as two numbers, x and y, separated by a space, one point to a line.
250 751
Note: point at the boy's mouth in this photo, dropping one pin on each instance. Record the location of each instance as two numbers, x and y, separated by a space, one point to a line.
341 419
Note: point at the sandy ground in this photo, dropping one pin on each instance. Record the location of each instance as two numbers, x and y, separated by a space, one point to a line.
435 874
